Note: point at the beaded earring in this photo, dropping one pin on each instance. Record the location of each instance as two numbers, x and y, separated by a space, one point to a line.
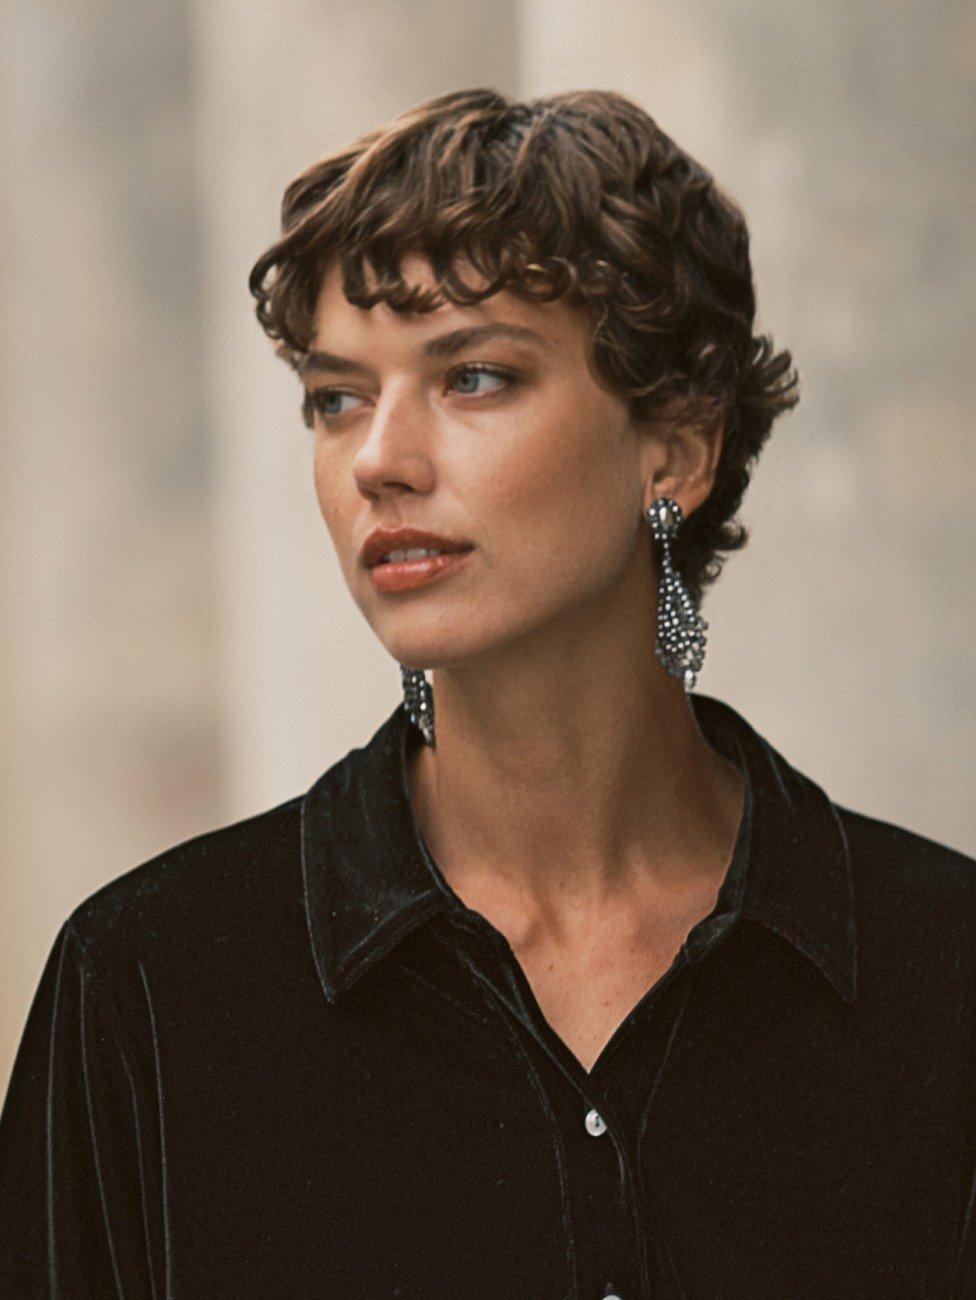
418 700
681 635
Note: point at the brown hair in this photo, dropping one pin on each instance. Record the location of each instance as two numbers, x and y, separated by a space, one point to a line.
578 194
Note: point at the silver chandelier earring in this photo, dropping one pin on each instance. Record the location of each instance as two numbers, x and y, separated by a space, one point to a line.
418 700
681 635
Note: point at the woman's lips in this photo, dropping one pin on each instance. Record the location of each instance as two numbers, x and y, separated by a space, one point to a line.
404 575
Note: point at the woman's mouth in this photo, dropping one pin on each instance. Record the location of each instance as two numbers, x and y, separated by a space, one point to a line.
415 567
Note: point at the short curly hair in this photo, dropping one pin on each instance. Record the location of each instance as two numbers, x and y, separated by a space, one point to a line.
578 194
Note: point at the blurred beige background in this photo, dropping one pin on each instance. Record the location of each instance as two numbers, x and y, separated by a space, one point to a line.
178 648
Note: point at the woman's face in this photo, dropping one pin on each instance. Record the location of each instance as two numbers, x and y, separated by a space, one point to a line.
533 464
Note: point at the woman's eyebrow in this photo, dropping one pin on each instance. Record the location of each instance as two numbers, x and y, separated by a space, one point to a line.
443 345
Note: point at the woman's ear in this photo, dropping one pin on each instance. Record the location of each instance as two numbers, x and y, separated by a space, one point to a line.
682 458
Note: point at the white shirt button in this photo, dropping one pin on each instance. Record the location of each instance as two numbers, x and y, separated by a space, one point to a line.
595 1126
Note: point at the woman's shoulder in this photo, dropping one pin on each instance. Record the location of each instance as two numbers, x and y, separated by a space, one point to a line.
206 882
239 887
899 863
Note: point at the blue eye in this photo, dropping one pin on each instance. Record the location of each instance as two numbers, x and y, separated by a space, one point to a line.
317 401
483 370
323 396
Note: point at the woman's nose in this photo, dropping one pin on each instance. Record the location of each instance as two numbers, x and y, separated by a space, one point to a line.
396 450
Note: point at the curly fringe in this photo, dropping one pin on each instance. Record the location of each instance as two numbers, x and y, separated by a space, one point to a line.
577 195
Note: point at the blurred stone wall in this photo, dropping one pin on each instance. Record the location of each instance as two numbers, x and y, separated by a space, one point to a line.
178 648
110 704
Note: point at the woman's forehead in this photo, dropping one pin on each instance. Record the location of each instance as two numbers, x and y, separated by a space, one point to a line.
555 322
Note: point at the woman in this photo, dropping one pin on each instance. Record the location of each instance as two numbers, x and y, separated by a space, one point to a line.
566 983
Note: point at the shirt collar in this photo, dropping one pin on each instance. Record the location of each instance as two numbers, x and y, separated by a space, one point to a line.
369 880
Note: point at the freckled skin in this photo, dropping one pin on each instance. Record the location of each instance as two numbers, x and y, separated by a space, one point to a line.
514 470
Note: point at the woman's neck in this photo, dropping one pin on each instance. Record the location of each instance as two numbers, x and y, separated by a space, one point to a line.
575 799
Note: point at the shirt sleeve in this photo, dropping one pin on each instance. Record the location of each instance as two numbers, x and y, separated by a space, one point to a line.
76 1145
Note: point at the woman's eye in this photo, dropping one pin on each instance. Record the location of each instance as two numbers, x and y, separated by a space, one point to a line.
322 401
478 371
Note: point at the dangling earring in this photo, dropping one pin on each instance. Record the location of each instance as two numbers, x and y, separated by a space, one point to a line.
418 700
681 635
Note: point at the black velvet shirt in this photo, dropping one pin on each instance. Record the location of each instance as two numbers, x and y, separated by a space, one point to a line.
284 1059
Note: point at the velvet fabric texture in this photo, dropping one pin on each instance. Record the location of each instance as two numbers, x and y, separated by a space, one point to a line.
284 1059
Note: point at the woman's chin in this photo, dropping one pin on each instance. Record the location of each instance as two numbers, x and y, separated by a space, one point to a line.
434 655
436 650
